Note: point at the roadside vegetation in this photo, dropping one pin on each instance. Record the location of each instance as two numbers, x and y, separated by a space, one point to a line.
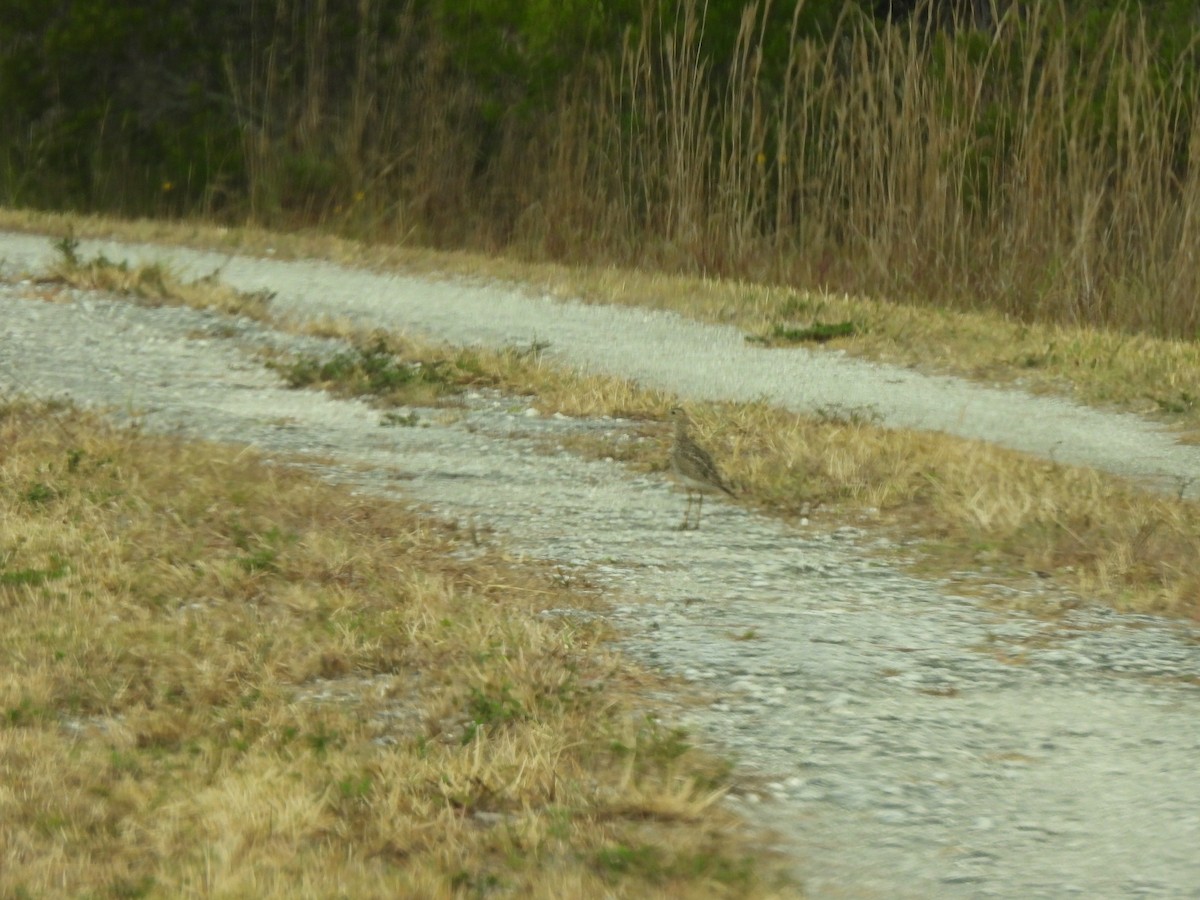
1033 159
1103 367
224 677
1009 195
149 285
956 504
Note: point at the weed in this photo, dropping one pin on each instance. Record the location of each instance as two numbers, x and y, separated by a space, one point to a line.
1182 403
491 708
659 744
39 494
68 248
25 713
817 333
153 284
623 860
263 551
381 368
356 787
35 577
399 420
837 414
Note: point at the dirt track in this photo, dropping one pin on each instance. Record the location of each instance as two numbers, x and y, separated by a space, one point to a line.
905 753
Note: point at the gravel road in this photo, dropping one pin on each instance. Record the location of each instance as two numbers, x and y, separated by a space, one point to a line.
910 742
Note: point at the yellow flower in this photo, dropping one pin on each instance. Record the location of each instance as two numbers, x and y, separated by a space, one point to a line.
761 159
167 186
359 196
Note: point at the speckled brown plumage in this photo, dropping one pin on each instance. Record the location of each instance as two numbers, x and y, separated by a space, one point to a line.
693 467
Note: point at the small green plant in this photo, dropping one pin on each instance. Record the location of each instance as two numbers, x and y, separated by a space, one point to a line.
399 420
477 884
386 369
131 888
355 787
68 248
323 740
34 577
662 745
496 707
1180 404
817 333
40 494
263 552
26 713
622 860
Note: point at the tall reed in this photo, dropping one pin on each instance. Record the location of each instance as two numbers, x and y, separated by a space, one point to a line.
1024 168
1012 170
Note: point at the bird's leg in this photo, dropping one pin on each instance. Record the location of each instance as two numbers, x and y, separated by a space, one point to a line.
687 512
699 511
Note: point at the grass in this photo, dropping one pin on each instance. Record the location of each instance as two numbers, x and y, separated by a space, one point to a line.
956 503
1109 369
152 284
435 373
228 678
380 369
968 505
1041 168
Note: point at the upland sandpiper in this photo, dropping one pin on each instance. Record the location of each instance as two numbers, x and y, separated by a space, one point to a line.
694 468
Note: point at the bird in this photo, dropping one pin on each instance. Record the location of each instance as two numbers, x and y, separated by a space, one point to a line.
693 467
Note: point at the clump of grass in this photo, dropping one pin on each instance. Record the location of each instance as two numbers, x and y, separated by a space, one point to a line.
446 370
152 284
379 368
227 676
781 335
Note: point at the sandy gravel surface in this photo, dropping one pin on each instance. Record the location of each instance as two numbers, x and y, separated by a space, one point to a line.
910 743
666 351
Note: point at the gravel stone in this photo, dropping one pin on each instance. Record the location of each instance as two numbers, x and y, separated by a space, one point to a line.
908 742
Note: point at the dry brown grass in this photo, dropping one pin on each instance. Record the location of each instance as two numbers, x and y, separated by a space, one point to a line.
225 678
152 284
1039 170
969 505
1101 367
966 504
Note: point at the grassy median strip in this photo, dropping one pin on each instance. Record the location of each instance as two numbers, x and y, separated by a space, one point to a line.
967 504
1105 368
223 677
